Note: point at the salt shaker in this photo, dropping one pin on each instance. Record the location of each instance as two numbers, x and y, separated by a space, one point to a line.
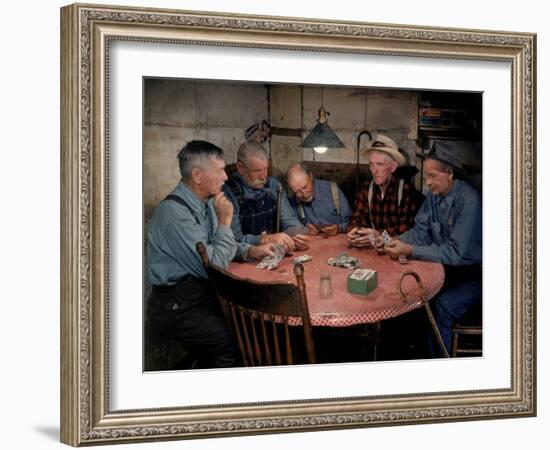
325 286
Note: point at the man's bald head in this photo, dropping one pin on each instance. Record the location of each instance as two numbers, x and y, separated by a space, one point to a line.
300 181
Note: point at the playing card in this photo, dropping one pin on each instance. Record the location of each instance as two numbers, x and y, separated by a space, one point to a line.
270 262
372 240
344 260
362 274
302 259
386 237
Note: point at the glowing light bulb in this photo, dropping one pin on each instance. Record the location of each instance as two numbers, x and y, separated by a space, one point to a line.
320 149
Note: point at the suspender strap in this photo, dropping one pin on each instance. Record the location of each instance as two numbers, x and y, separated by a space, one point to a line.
301 212
279 200
335 199
400 193
235 188
335 196
369 199
182 202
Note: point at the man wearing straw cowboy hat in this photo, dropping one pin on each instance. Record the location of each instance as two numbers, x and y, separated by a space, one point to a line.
448 230
387 202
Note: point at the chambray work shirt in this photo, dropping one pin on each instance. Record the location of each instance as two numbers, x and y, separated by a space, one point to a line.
288 215
448 229
173 233
322 209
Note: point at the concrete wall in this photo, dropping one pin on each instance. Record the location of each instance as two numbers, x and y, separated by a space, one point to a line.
177 111
390 112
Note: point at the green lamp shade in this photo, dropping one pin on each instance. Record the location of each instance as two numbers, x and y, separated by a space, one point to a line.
322 136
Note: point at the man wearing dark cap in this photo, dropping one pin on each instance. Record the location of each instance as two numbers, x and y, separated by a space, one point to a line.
448 230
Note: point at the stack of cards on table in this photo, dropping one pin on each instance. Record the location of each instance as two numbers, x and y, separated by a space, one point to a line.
362 281
270 262
344 260
302 259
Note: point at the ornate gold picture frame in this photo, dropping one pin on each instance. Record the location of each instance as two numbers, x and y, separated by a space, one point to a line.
87 32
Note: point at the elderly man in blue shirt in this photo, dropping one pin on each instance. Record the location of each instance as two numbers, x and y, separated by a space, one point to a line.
320 204
183 305
448 230
258 201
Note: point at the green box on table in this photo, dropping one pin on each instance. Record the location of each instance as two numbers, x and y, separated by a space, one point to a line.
362 281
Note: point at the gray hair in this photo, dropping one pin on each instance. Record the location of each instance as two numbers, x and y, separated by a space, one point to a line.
251 148
195 154
446 167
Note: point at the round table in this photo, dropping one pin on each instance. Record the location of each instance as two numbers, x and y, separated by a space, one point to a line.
344 309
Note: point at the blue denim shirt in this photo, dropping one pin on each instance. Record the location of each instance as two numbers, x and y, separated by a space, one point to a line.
173 233
448 229
289 217
322 210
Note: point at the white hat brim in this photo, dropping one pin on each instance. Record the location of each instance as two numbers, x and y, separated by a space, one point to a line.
395 154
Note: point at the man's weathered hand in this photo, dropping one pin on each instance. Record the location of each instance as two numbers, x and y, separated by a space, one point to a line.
312 229
262 250
224 209
361 237
301 242
279 238
397 247
329 230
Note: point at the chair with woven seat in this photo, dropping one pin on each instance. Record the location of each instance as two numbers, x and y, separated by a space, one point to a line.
258 315
467 334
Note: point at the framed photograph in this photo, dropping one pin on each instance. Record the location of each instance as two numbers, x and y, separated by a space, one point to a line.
139 83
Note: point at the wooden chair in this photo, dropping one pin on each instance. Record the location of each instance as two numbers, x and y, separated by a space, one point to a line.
426 304
470 324
257 313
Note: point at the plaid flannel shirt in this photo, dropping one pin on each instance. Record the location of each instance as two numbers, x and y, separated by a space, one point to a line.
385 213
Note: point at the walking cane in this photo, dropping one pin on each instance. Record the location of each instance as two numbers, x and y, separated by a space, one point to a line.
426 304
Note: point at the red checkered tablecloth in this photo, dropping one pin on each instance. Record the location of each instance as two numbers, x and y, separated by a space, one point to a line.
345 309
